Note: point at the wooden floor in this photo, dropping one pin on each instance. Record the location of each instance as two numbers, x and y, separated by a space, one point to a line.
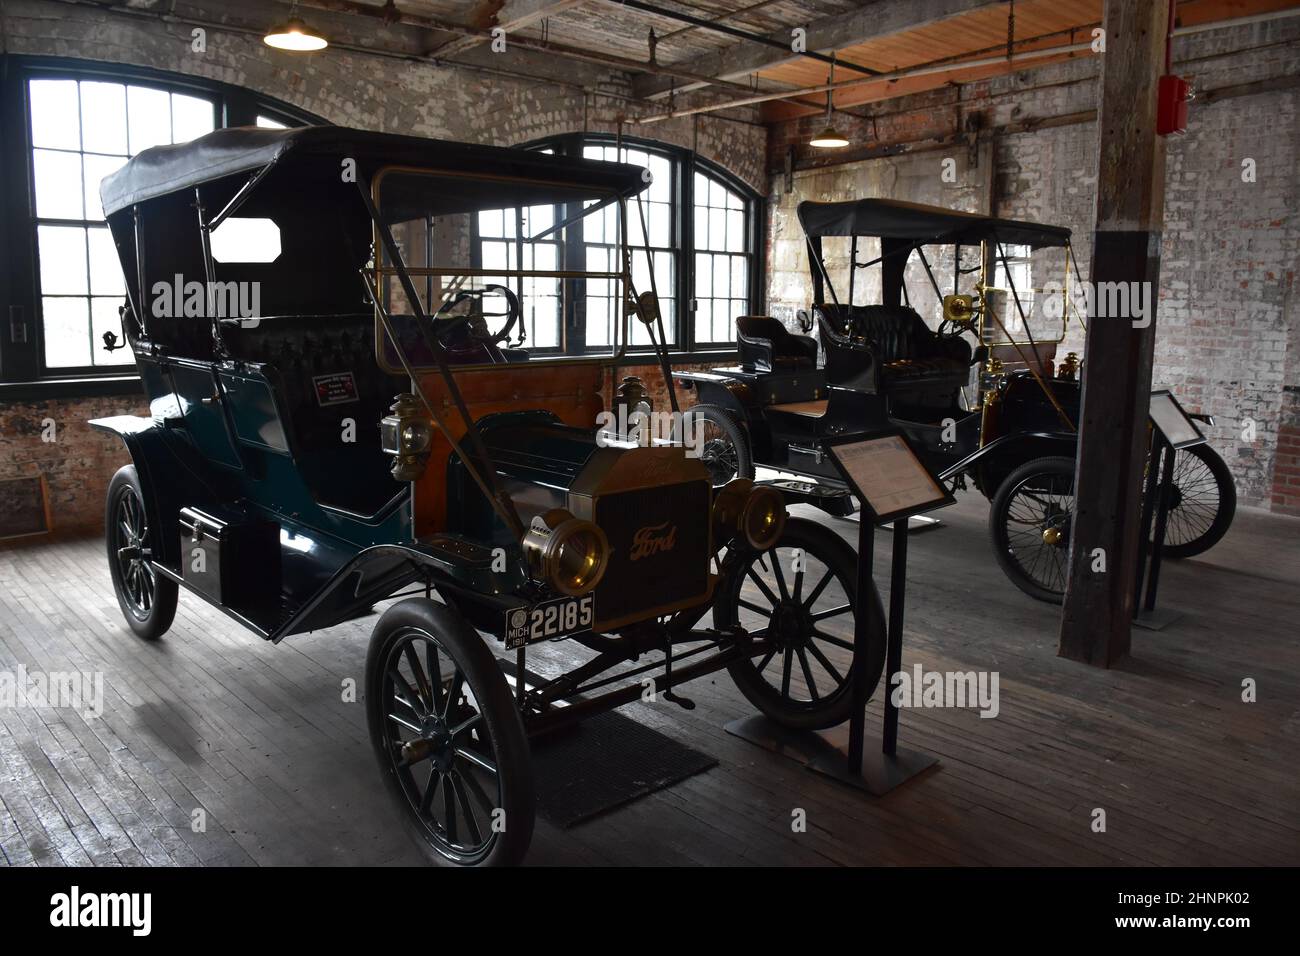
260 739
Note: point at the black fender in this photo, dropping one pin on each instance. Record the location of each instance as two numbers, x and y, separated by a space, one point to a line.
1002 455
462 575
160 473
714 389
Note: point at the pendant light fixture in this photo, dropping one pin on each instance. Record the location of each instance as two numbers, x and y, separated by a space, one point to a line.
294 35
829 138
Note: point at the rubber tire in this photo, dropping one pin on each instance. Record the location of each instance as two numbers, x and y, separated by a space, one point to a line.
1227 505
822 543
732 429
156 622
997 523
491 691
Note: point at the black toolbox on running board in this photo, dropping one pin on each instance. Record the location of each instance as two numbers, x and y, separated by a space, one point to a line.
235 563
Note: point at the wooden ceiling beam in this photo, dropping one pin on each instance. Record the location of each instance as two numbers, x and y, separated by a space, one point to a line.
509 15
872 21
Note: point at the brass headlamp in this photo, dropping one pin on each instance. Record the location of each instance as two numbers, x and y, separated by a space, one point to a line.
960 310
1069 367
753 512
407 434
568 553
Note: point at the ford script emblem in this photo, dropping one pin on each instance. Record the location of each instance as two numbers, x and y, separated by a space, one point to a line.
653 539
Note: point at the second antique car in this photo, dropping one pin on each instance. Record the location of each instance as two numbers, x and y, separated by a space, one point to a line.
328 324
980 396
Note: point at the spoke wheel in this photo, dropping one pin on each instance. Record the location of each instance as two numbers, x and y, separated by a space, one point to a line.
1203 504
722 443
147 600
1031 522
798 601
449 741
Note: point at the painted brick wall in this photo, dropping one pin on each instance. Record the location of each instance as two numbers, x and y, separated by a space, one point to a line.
52 438
1227 341
345 88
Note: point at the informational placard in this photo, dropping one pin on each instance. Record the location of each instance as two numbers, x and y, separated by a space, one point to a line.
1174 424
887 476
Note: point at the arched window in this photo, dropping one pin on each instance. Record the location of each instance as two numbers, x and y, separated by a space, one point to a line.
703 228
81 123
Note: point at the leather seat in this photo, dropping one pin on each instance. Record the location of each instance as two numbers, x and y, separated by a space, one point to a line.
306 354
766 345
906 354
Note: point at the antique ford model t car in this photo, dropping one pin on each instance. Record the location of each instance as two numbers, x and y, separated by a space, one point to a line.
996 411
334 423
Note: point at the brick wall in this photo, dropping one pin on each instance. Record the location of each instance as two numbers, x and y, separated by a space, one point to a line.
343 87
53 439
1227 341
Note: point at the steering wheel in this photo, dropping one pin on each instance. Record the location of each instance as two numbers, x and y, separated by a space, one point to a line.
444 325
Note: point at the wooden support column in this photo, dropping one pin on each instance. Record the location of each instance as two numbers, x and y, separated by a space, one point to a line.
1117 356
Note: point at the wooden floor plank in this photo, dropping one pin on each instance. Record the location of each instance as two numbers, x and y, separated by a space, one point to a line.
260 742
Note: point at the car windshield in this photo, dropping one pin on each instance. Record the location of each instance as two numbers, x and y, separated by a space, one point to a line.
499 266
1036 276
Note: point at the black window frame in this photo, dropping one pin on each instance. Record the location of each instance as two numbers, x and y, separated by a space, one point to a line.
22 369
685 345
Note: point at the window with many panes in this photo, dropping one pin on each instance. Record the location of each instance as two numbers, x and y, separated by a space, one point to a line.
701 226
653 216
508 240
82 130
723 259
77 123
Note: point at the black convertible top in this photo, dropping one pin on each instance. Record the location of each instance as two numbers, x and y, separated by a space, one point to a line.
894 219
227 152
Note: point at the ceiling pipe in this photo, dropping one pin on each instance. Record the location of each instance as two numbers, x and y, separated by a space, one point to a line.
536 46
946 66
723 17
718 27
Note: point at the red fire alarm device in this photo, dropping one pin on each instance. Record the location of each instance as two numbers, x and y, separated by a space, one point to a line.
1171 106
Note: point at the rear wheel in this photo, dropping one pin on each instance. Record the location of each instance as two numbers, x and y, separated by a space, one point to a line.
800 599
450 743
1203 504
147 599
1030 524
722 443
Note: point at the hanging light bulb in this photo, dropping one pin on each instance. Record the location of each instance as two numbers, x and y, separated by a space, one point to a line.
829 138
294 35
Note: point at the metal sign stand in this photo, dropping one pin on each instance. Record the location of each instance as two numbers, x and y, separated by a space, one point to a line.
1160 481
829 752
880 771
1155 506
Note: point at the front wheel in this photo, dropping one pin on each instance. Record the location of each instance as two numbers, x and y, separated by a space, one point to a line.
1204 501
1030 524
449 740
147 600
800 600
720 441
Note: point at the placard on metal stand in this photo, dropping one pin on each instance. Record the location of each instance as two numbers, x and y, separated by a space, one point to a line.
891 484
1172 430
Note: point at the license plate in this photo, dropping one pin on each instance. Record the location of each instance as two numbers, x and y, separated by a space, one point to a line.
549 620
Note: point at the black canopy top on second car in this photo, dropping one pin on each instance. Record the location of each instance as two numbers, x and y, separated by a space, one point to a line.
919 224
